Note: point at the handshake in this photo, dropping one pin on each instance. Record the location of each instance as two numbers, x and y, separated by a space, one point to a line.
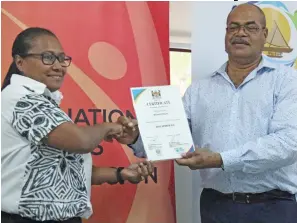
125 130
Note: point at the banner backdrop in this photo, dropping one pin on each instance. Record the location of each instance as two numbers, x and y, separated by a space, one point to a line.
114 46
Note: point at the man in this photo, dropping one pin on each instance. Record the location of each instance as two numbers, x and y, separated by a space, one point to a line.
244 124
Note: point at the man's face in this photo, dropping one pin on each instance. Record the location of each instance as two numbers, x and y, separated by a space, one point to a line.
245 33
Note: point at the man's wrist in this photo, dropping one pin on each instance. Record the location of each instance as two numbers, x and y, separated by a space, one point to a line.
218 161
135 140
221 163
120 178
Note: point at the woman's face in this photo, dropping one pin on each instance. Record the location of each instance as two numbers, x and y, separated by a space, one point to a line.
41 64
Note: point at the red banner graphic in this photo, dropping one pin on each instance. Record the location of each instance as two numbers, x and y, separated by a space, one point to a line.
114 46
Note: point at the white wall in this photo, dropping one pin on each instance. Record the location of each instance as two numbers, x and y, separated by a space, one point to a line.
180 24
208 51
183 194
180 38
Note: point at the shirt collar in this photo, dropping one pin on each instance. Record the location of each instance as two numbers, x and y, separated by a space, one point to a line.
221 70
36 86
264 65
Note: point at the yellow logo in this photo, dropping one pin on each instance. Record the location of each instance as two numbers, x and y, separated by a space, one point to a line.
281 22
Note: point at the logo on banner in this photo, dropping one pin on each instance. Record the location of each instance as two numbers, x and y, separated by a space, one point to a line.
281 42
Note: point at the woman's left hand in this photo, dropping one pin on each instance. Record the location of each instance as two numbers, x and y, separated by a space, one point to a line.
137 172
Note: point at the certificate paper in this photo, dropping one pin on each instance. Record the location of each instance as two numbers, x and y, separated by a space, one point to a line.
162 122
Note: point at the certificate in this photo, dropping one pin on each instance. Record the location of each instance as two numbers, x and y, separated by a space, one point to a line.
162 122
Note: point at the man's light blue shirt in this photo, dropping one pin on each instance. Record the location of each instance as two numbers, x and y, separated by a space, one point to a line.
253 127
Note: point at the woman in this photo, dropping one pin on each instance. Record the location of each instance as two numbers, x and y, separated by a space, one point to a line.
46 166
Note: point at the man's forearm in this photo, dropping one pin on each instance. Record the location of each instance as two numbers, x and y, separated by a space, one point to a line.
102 175
272 151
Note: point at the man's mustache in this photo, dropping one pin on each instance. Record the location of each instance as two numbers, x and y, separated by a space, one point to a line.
239 41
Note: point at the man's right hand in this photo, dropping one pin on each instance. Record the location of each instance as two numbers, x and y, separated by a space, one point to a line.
130 130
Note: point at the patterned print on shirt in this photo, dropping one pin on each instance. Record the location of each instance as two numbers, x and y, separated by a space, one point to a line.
54 182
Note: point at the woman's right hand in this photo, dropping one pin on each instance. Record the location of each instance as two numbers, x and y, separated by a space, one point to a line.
130 128
137 172
114 130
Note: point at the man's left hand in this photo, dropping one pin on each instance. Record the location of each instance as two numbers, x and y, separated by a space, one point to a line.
201 159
